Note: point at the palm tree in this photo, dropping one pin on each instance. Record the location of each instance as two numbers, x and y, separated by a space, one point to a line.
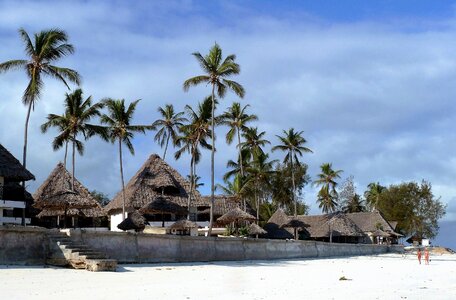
167 126
216 70
119 130
194 135
293 144
48 47
372 195
327 180
254 141
236 119
78 113
355 204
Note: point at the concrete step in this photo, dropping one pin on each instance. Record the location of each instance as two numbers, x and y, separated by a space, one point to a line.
97 265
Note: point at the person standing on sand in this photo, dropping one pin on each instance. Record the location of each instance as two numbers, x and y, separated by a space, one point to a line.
419 255
426 256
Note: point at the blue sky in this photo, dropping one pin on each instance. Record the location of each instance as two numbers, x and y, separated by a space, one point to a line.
371 83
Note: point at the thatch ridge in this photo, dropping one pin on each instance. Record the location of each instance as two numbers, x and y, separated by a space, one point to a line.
146 185
223 204
11 168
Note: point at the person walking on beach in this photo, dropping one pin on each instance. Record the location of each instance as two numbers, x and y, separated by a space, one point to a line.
418 254
426 256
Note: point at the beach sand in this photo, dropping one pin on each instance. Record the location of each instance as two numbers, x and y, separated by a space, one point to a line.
390 276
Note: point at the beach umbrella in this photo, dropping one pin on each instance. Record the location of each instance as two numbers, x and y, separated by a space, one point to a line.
296 224
184 225
134 221
234 216
162 205
256 230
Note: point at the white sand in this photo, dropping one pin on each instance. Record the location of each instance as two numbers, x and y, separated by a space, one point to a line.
371 277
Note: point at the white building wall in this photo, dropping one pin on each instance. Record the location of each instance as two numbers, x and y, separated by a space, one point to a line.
116 219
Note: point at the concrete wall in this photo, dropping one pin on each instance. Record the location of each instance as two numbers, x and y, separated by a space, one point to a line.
23 245
129 247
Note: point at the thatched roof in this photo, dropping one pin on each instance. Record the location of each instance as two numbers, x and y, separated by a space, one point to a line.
234 215
11 168
337 224
94 212
254 229
274 226
183 224
134 221
294 223
369 221
163 205
14 191
223 204
154 177
55 194
381 233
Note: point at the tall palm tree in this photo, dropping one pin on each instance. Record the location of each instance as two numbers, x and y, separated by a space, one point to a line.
372 195
194 135
216 70
48 47
355 204
293 144
78 113
254 141
236 119
327 180
119 129
168 126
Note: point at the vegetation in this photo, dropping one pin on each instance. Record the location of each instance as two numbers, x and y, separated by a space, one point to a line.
349 200
327 196
216 70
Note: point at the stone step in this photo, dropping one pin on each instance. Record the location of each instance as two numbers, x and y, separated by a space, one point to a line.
98 265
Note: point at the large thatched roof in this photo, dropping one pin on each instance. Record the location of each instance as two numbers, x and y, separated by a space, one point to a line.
274 226
154 178
55 196
163 205
337 224
11 168
370 221
235 215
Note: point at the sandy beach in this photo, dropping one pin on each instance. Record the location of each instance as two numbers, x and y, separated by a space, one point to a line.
389 276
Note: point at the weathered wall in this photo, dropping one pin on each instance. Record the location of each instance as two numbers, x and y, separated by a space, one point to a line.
23 245
129 247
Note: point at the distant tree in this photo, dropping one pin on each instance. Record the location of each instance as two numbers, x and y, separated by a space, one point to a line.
353 204
327 196
372 195
216 73
254 141
101 197
349 200
167 127
414 207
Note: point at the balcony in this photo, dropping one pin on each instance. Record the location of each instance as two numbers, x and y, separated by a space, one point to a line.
12 204
13 220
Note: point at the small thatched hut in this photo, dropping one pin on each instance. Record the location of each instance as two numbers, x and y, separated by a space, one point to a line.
14 198
154 178
184 227
57 200
135 221
256 230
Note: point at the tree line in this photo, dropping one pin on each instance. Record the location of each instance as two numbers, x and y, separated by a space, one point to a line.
252 176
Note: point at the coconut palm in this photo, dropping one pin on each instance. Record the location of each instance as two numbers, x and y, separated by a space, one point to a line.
48 47
236 119
372 195
168 126
118 129
193 136
78 113
293 144
254 141
216 70
327 195
355 204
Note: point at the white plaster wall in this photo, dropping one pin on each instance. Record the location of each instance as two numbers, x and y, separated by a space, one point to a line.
116 219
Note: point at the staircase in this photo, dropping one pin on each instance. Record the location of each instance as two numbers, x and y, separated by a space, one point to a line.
63 251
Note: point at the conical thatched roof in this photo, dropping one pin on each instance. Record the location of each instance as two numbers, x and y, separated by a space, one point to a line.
254 229
183 224
154 178
162 204
294 223
11 168
55 195
274 226
234 215
337 224
223 204
135 221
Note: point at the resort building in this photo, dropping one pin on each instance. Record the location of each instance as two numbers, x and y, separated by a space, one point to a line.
361 227
13 198
159 192
61 204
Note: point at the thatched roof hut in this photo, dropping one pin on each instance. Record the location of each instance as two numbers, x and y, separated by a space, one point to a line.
183 224
163 205
135 221
223 204
11 168
254 229
154 178
337 224
55 196
235 215
370 221
274 226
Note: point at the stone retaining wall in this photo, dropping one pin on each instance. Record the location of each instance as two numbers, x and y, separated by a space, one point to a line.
23 245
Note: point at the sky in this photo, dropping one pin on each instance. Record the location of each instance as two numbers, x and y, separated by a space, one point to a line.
371 83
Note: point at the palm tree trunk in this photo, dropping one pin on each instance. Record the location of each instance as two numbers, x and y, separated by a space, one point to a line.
166 147
194 186
73 162
240 163
192 180
122 179
293 186
66 154
211 218
24 157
